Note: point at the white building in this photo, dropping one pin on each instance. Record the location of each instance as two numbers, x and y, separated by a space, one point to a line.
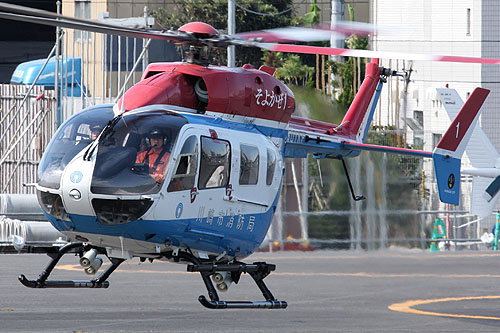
444 27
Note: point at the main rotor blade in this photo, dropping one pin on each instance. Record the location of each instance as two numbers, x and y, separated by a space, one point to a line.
97 27
290 34
372 54
15 9
318 33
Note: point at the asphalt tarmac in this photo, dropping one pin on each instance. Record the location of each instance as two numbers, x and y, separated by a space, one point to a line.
327 291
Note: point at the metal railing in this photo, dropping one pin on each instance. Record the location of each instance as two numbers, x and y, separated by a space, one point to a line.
25 130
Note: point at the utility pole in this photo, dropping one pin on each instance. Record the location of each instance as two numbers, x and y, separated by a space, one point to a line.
231 30
337 16
57 74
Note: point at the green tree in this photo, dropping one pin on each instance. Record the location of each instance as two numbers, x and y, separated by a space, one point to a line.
313 16
351 72
328 189
293 71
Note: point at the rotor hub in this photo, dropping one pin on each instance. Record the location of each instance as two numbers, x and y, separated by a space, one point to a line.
199 29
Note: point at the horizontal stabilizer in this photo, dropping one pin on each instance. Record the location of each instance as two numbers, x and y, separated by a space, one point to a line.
480 205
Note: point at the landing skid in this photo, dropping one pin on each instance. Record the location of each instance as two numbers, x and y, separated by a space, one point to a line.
42 282
258 271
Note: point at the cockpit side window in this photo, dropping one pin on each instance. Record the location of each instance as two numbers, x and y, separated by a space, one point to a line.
215 163
186 166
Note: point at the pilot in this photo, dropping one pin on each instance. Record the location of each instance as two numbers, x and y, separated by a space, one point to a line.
156 157
95 130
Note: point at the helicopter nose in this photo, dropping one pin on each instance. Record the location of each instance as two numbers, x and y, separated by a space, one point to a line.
75 186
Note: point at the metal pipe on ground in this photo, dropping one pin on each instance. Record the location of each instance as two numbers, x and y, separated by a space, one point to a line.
21 206
30 231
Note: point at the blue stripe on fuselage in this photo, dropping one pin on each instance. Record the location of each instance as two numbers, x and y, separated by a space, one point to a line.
372 111
298 149
237 240
235 125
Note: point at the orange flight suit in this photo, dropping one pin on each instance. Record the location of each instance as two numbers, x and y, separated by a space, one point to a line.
150 158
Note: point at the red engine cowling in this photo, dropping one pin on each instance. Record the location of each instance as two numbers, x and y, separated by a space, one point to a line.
233 91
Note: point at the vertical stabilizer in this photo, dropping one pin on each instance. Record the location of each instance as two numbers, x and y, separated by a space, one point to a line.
484 159
357 119
448 153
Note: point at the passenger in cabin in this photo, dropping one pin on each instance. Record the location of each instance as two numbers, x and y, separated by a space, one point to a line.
156 157
95 130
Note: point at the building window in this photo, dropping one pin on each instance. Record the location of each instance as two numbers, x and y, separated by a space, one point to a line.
249 161
418 143
82 10
215 162
467 23
419 117
435 139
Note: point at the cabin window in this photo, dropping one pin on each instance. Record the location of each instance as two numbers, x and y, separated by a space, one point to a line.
215 162
185 167
271 166
249 165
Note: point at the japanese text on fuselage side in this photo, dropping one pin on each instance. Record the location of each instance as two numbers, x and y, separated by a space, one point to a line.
295 138
241 221
251 223
220 220
210 216
269 98
201 212
232 217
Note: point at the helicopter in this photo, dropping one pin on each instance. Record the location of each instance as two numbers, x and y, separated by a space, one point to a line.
220 136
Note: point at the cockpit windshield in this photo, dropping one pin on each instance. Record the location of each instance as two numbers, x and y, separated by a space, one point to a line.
73 136
134 154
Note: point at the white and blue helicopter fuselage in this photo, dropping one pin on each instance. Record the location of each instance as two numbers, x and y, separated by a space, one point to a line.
221 212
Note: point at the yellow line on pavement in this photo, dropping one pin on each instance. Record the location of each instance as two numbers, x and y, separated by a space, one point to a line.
407 307
307 274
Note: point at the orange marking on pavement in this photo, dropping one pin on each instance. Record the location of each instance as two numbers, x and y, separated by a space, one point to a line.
407 307
79 268
307 274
